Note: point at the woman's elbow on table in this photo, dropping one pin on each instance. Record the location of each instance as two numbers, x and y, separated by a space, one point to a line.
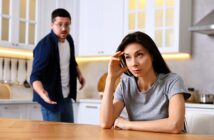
175 127
105 125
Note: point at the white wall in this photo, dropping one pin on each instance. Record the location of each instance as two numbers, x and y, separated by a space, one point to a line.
198 72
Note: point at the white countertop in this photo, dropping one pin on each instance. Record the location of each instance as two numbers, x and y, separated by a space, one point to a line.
88 100
15 101
197 105
20 101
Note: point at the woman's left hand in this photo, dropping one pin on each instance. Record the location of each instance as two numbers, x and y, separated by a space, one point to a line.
121 123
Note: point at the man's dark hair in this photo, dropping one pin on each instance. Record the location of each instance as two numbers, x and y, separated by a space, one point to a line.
60 12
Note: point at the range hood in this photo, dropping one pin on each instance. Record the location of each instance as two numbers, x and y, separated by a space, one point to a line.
205 25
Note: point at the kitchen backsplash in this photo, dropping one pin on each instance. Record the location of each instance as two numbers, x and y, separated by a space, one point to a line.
92 71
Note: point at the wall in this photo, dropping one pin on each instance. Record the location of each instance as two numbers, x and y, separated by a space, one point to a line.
197 72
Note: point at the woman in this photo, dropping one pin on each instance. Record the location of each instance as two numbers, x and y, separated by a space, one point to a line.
153 96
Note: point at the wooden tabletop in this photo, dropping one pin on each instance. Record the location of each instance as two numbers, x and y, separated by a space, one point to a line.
14 129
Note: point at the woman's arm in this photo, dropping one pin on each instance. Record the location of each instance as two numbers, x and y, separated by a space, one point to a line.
110 109
173 124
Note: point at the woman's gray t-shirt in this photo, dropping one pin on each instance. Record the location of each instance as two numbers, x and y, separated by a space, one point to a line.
152 104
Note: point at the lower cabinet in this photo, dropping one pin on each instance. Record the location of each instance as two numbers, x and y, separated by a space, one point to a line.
200 119
34 112
13 111
87 112
21 111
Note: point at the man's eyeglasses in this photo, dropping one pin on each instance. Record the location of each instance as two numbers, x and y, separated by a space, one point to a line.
63 26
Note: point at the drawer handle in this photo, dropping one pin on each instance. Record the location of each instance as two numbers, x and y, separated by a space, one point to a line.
12 107
90 106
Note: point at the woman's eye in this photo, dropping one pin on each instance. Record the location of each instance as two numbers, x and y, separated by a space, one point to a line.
140 54
127 57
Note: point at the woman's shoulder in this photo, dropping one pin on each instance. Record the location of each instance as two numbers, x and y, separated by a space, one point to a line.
169 76
125 77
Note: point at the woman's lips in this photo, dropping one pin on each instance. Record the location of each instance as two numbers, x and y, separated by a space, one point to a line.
136 71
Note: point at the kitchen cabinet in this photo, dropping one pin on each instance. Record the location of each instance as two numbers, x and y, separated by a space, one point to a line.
34 112
13 111
20 110
166 21
19 23
100 27
88 112
46 9
200 118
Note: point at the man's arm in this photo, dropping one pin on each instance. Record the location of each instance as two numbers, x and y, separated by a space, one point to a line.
80 78
38 87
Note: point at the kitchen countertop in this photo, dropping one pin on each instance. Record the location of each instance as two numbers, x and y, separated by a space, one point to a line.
200 106
28 129
15 101
19 101
88 100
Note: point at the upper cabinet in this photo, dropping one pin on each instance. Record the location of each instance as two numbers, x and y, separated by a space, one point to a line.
166 21
18 23
24 22
100 26
46 9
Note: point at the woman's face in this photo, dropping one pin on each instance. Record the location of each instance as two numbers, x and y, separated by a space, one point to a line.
138 60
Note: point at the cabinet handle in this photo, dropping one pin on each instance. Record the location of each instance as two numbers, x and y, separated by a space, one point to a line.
90 106
11 107
35 107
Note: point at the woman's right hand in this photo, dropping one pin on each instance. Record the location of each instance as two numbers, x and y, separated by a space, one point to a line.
114 68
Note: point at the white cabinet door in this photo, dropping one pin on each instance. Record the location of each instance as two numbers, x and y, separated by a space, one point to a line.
30 111
100 27
24 22
19 23
88 113
34 112
200 121
75 111
47 8
166 21
13 111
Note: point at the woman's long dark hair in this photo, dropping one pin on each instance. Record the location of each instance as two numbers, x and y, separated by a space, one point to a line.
143 39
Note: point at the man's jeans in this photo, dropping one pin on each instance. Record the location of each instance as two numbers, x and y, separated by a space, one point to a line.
65 116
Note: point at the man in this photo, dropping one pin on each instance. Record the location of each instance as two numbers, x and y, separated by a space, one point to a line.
55 71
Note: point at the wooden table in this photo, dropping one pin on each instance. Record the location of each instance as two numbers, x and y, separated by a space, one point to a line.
14 129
